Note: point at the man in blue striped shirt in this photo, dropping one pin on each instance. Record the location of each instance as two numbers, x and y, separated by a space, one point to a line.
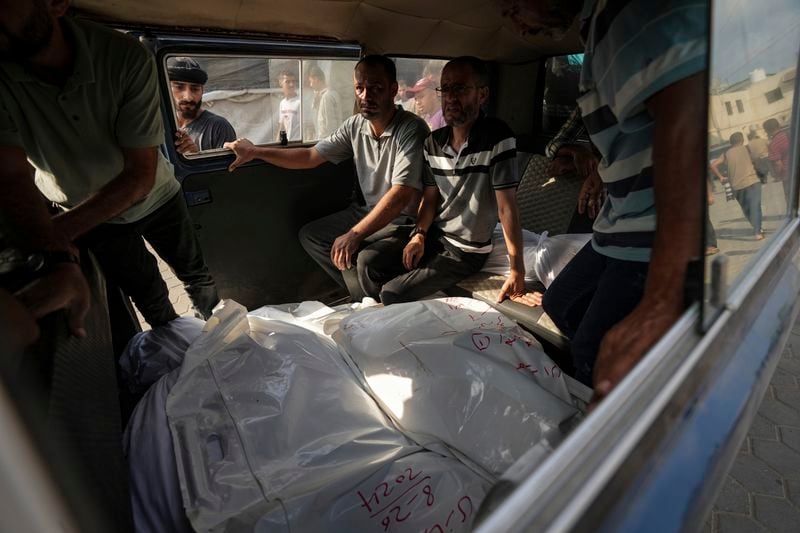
470 180
642 100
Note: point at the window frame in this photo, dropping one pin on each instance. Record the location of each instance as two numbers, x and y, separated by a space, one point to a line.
169 44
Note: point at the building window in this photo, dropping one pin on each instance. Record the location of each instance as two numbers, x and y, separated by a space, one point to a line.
740 106
774 95
729 108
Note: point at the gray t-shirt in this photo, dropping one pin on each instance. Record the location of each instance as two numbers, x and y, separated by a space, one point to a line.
394 158
467 181
74 135
210 130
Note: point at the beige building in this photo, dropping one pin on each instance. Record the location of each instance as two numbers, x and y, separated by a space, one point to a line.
745 105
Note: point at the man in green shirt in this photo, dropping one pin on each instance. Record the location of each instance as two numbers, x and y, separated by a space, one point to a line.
79 103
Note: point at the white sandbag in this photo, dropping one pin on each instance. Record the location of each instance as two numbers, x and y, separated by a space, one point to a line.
456 371
553 253
153 353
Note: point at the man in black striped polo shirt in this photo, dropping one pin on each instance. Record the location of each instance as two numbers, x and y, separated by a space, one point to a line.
470 180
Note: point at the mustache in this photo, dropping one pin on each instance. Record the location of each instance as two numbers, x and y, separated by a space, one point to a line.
188 102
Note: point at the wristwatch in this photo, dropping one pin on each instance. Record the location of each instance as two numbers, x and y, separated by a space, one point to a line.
417 231
16 263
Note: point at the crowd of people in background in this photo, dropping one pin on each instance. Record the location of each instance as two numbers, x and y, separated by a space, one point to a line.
744 168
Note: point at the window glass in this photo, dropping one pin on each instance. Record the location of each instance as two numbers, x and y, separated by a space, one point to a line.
329 96
266 100
753 63
562 74
417 80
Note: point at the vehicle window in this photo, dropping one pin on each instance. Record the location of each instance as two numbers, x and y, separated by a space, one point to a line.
753 79
216 99
329 95
562 74
417 80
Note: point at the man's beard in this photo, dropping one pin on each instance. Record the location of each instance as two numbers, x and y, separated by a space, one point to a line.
32 39
466 114
375 111
189 113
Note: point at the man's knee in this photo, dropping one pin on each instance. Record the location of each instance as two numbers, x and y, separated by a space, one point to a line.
306 234
554 307
395 292
388 297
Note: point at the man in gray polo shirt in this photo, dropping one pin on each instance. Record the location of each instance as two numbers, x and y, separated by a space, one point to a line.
80 103
470 180
385 143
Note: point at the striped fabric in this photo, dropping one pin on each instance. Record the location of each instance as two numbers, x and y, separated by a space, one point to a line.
572 131
779 151
467 181
634 49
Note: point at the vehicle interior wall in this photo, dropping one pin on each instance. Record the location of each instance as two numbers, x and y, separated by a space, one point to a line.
249 231
517 102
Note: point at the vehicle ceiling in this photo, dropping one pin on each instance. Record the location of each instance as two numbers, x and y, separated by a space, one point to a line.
403 27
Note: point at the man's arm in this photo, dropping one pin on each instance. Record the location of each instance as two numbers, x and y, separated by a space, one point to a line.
131 185
715 167
570 132
387 209
23 205
415 248
293 158
508 213
678 188
32 229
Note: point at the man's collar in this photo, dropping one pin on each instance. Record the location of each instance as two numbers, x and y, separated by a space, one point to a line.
366 127
473 130
82 69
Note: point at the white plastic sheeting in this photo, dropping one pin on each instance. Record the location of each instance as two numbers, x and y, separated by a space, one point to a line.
403 425
553 253
457 372
151 354
545 256
153 359
497 262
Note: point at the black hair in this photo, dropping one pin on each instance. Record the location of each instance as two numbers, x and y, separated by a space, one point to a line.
771 124
376 60
736 138
316 72
478 66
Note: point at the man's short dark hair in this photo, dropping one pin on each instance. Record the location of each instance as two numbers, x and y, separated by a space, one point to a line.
316 72
377 60
771 124
187 70
286 73
478 66
736 138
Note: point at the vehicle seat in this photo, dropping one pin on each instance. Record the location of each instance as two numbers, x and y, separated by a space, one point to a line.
545 204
